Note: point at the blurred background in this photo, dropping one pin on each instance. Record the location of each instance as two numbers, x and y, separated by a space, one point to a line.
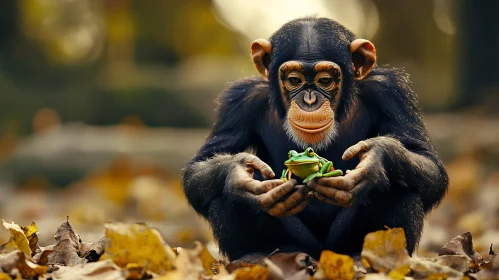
103 102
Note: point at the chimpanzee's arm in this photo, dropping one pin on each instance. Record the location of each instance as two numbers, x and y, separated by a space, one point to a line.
411 162
240 108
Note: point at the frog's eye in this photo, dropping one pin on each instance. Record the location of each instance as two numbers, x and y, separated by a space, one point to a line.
310 152
289 155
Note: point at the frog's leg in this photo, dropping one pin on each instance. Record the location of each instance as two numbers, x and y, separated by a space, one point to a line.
286 175
333 173
312 176
326 167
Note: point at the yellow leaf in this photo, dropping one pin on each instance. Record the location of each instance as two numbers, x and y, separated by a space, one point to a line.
385 250
18 238
139 244
251 273
399 273
31 234
208 260
4 276
335 266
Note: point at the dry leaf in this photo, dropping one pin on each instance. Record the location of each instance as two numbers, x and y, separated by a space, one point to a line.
256 272
335 266
41 257
66 250
194 263
17 261
4 276
458 262
92 251
137 243
461 245
291 265
31 233
89 271
18 240
385 250
423 268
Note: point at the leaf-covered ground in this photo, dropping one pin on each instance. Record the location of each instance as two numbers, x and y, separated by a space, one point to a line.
130 190
137 251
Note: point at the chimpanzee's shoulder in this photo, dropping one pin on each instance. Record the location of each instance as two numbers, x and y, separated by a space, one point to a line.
249 95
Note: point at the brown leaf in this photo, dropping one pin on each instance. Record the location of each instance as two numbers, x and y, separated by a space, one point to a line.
461 245
92 251
291 265
335 266
385 250
66 249
16 261
42 258
89 271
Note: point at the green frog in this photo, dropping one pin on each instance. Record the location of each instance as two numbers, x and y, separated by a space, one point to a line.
308 165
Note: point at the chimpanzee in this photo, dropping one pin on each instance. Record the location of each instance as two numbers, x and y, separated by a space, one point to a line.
319 88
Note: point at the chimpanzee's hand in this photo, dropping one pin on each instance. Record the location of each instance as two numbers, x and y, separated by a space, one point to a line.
270 195
356 184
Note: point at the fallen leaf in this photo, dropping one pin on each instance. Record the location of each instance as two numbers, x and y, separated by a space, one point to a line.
66 249
207 259
18 240
17 261
458 262
133 271
41 257
385 250
335 266
89 271
461 245
256 272
4 276
92 251
292 265
31 233
423 268
137 243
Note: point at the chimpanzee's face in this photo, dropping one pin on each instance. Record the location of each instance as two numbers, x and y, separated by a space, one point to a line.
311 92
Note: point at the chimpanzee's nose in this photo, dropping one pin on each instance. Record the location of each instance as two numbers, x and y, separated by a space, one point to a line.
309 97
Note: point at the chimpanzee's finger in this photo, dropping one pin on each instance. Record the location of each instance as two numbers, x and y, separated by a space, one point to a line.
355 149
339 196
260 165
259 187
360 190
340 183
271 197
295 198
329 200
295 210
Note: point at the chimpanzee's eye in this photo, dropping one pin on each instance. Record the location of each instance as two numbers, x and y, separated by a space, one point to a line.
325 81
294 80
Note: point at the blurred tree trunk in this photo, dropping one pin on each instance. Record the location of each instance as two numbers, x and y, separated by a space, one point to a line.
478 40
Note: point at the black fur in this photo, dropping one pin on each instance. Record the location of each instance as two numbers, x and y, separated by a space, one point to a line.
250 118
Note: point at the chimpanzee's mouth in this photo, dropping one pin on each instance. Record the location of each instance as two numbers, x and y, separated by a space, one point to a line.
311 127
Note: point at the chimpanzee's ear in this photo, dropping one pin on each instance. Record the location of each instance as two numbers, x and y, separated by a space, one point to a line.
363 57
260 52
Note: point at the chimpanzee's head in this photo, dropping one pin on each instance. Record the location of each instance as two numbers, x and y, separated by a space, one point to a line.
311 65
